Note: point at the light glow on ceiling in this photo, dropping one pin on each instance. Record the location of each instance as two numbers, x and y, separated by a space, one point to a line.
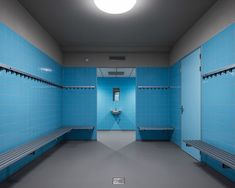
115 6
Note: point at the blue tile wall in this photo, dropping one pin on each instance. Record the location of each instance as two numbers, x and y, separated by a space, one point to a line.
152 106
175 102
19 53
80 105
218 97
29 109
126 120
79 76
218 111
152 76
219 51
218 120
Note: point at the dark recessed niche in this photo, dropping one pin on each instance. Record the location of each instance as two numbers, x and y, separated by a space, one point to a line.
117 58
116 73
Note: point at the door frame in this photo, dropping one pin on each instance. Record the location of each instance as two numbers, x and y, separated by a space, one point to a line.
200 101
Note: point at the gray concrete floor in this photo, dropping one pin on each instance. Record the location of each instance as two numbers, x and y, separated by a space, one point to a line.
116 154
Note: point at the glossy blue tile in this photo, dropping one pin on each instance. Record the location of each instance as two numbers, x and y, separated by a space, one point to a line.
80 105
219 51
126 120
218 101
152 106
21 54
29 109
175 102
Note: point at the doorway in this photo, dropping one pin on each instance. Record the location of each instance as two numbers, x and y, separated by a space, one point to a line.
116 105
191 101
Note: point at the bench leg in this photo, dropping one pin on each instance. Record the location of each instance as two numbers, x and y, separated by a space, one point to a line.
203 162
33 153
225 166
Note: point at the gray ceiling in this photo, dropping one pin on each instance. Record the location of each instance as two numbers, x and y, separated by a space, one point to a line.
153 25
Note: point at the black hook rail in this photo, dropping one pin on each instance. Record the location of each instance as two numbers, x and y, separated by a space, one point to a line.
221 71
33 77
78 87
154 87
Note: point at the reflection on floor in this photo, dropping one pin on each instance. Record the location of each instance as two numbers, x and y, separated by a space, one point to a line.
116 139
94 164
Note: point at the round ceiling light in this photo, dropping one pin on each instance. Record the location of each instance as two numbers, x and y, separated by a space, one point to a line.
115 6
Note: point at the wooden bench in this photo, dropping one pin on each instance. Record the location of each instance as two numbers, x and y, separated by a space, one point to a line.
10 157
227 159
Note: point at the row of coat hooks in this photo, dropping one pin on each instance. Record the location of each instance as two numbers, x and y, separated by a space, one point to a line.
36 78
154 87
219 72
224 70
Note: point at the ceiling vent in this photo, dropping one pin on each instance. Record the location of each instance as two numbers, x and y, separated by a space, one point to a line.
115 73
117 58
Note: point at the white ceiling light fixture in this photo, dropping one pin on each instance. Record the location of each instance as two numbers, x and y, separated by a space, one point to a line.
115 6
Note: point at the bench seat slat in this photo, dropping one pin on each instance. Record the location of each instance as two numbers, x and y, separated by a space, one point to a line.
28 146
36 143
22 148
10 157
155 128
219 156
224 157
215 151
82 128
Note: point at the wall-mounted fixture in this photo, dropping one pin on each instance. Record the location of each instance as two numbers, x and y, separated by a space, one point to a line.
116 94
116 98
115 6
116 112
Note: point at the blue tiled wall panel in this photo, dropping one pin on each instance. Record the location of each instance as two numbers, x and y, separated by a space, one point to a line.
79 76
29 109
218 97
126 120
152 76
17 52
218 111
218 118
152 106
175 102
219 51
80 105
